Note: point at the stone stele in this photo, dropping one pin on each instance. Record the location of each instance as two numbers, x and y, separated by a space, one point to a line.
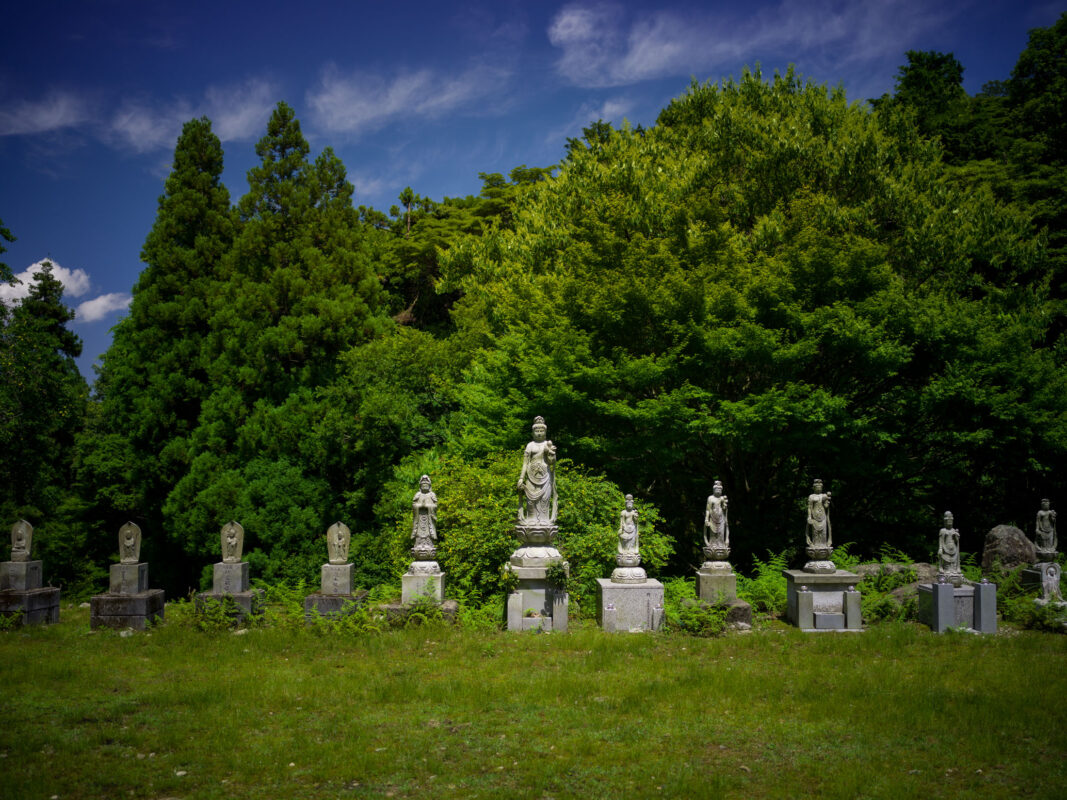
230 576
21 540
22 594
129 543
233 542
129 602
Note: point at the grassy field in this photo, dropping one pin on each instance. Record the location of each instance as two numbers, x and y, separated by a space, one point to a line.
895 712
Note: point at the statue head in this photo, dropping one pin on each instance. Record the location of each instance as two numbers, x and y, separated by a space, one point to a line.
540 430
424 484
717 489
948 519
816 486
1045 504
629 502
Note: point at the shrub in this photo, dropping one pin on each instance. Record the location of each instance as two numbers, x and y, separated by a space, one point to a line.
766 592
698 618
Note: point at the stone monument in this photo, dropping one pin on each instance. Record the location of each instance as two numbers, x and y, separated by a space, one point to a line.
21 592
424 577
716 581
129 603
1045 547
955 602
821 597
335 598
629 600
230 576
537 603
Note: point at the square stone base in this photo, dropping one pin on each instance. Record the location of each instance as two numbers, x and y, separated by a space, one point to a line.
230 578
943 606
716 587
417 587
20 576
128 579
246 603
827 604
535 604
332 606
34 606
630 606
337 579
119 611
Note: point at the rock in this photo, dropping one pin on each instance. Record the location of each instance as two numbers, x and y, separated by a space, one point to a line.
1008 545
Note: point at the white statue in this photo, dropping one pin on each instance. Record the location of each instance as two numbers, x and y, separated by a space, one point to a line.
1045 531
21 540
233 540
538 502
338 537
424 521
817 532
716 522
129 543
628 538
948 552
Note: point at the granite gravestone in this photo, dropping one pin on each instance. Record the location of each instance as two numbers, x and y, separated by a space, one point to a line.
821 597
336 597
21 592
629 600
536 603
955 602
129 603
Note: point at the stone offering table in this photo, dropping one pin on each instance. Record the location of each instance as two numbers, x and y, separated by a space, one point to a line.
823 602
21 592
970 606
129 602
230 576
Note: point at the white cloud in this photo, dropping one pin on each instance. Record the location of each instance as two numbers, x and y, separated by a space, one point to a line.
599 47
611 110
358 102
240 111
54 111
75 282
100 307
144 127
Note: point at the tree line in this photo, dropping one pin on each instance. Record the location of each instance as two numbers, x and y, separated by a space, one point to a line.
768 285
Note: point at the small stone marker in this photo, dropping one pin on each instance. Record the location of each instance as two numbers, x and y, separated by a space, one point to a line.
230 576
129 602
336 598
21 592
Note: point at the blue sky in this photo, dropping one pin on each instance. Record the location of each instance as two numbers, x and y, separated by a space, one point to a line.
94 93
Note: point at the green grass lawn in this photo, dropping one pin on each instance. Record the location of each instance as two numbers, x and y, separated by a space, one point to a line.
895 712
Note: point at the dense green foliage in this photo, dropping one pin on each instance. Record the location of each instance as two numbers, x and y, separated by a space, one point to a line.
768 285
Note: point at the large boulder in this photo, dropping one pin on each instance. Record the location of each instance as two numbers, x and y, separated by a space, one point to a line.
1008 545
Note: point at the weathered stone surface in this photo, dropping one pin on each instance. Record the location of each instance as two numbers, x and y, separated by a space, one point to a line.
398 613
130 543
128 578
21 576
333 606
135 611
21 540
948 553
1008 545
337 579
634 604
418 587
233 542
35 606
830 593
716 586
229 578
924 572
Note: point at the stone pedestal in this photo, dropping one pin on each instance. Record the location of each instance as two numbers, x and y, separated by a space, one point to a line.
630 606
337 579
231 580
971 607
129 602
823 601
536 605
419 586
332 606
21 593
716 585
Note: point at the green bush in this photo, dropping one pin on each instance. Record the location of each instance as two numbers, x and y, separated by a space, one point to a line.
766 591
698 618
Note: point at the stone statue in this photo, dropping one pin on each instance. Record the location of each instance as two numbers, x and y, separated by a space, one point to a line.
628 543
338 537
817 533
424 521
716 523
1050 584
948 553
538 502
628 555
129 543
233 541
21 540
1046 532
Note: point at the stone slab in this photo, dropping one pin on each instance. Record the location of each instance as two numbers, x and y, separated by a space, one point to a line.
333 606
397 613
943 606
635 605
827 593
20 576
716 587
35 606
128 578
548 604
1031 576
829 621
230 578
985 608
337 579
119 611
417 587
